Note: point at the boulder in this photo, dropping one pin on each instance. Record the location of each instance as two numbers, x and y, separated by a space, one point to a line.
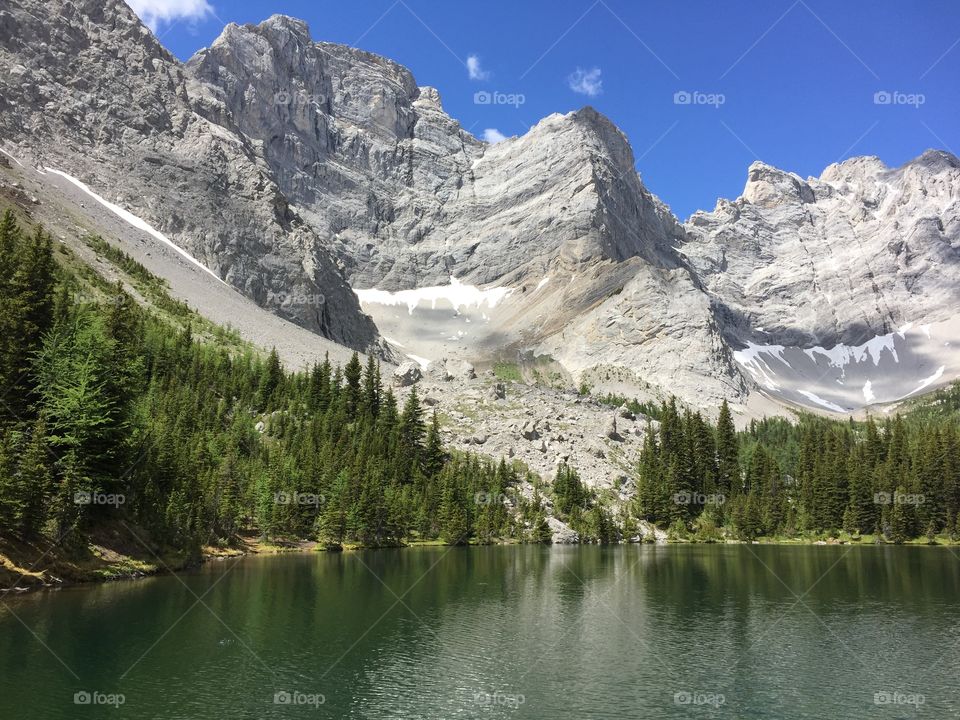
610 431
563 534
437 371
461 370
529 431
407 374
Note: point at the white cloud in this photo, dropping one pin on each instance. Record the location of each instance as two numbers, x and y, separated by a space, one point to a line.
473 68
493 136
586 82
156 12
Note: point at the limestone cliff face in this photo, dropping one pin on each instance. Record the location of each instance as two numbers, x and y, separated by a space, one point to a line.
292 167
408 197
85 88
842 258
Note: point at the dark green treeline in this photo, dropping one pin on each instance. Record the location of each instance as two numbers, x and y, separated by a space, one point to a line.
115 415
899 478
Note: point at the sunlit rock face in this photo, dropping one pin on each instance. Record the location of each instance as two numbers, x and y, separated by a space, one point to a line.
300 169
87 89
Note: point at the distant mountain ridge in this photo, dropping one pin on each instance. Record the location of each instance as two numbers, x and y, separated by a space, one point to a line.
300 168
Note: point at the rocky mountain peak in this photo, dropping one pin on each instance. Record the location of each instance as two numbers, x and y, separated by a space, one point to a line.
768 186
290 167
936 160
100 99
284 26
429 97
854 169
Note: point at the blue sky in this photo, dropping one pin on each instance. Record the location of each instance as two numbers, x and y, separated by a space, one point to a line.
701 87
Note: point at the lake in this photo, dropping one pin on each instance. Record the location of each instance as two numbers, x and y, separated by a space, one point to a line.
675 631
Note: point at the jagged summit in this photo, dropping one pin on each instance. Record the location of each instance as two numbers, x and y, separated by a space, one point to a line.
295 167
287 25
114 109
936 160
768 186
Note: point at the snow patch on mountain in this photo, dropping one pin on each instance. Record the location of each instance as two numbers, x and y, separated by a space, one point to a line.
458 294
927 382
842 355
845 378
12 157
421 361
820 401
135 221
755 359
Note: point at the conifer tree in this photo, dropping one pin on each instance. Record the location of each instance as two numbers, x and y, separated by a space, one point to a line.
728 452
352 372
270 378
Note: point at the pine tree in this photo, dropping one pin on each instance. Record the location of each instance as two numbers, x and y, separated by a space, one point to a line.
11 500
433 456
898 517
862 508
319 392
411 431
455 525
332 525
728 452
568 491
34 481
931 468
541 532
370 403
352 372
270 378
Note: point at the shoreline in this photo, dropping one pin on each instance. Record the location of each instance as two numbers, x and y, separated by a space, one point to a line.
103 565
125 568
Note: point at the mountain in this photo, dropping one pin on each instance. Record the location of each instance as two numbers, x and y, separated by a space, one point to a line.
88 90
858 252
293 168
843 288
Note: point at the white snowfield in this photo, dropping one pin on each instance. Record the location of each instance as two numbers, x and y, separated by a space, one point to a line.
441 321
459 295
12 157
846 378
135 221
